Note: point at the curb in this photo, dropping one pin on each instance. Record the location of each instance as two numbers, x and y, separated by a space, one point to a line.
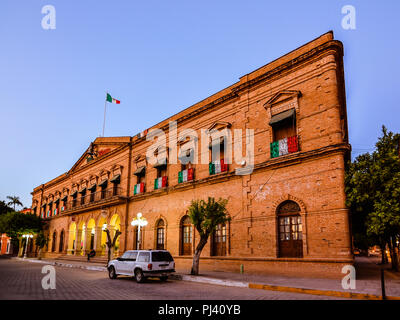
62 264
331 293
220 282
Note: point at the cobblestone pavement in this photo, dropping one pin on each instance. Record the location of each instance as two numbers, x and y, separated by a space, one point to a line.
22 280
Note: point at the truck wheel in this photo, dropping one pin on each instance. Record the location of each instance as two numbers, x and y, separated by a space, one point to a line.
111 273
139 277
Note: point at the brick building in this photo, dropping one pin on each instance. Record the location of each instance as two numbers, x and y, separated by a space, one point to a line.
288 214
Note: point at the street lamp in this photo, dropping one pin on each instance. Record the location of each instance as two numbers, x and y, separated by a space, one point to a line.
139 221
27 236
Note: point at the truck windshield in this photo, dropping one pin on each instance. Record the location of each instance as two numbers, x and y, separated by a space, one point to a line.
161 256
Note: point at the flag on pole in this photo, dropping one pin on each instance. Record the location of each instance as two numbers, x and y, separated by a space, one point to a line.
112 100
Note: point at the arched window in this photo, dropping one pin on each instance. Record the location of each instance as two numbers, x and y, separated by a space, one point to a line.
219 241
186 236
160 235
61 246
53 244
290 229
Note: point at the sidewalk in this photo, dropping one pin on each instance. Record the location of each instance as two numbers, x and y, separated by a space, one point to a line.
68 264
368 284
368 281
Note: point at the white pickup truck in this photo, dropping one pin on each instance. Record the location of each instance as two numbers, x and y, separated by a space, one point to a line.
142 264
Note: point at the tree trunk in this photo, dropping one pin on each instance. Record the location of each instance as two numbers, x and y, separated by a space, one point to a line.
108 254
40 254
383 253
20 249
196 256
393 254
111 244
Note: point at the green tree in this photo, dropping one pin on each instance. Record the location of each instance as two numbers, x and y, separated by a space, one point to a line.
14 201
4 208
206 216
15 224
41 241
373 193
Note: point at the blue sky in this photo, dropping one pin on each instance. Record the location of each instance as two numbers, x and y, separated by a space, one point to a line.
159 57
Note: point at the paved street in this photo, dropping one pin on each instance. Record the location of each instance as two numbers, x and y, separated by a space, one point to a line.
22 280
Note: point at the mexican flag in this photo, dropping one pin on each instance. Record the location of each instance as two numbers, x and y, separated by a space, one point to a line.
139 188
160 182
112 100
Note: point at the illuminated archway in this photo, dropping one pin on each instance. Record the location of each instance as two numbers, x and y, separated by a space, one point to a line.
91 232
72 238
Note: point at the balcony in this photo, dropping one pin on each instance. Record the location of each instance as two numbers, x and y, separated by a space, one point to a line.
94 199
284 146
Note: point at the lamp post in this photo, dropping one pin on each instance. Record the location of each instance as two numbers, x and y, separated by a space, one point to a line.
139 221
26 236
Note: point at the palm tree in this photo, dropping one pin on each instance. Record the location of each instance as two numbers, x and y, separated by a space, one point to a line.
14 201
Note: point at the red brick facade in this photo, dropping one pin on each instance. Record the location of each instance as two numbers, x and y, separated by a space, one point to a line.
288 215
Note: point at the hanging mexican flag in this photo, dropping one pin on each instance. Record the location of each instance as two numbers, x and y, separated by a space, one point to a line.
112 100
160 182
185 175
138 188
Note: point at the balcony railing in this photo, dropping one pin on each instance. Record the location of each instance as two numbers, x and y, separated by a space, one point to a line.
92 198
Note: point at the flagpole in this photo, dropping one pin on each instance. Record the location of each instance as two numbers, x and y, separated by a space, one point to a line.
104 122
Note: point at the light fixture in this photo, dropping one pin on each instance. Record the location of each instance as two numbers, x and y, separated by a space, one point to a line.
139 221
27 236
